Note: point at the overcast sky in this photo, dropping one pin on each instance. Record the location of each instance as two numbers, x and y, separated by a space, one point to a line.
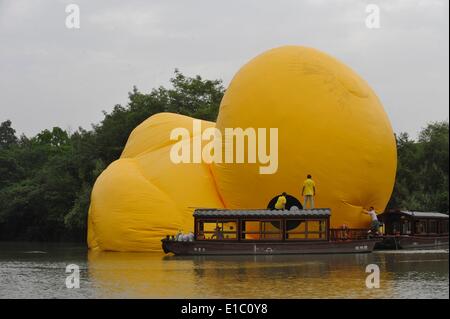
54 76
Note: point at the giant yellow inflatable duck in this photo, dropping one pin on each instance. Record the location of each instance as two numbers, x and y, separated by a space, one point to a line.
329 122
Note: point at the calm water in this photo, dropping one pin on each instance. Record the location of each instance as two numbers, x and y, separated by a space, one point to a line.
38 271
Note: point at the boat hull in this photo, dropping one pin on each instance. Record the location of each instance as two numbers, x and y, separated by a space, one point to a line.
413 242
267 248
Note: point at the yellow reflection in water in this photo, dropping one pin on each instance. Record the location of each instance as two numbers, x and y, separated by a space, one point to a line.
145 275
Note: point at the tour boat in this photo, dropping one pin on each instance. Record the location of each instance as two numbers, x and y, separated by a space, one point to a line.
266 232
414 230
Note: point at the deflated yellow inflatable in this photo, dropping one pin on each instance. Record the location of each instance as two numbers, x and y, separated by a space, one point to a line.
329 122
143 196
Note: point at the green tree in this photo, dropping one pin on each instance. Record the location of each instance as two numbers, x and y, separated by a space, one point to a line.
7 135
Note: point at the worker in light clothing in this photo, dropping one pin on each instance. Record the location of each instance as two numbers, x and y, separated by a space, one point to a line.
375 224
308 192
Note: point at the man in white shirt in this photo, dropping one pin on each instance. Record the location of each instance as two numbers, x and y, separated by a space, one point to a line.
375 225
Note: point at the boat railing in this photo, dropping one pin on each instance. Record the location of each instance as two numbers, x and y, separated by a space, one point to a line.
337 234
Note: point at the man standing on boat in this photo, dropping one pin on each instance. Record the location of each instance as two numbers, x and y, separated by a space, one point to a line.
375 225
308 192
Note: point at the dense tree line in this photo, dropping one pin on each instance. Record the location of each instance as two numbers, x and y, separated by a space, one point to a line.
422 170
46 180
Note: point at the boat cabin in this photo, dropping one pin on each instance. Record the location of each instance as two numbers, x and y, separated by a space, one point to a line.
409 223
261 225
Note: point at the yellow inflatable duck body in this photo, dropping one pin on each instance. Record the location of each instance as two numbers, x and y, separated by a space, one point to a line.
327 122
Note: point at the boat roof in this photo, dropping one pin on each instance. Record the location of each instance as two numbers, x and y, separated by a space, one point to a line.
207 212
420 214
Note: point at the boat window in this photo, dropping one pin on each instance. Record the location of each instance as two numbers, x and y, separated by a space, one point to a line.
217 230
261 230
395 227
298 232
443 227
306 229
432 227
420 226
406 229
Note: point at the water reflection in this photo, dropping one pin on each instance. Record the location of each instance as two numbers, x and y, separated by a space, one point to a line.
38 271
309 276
